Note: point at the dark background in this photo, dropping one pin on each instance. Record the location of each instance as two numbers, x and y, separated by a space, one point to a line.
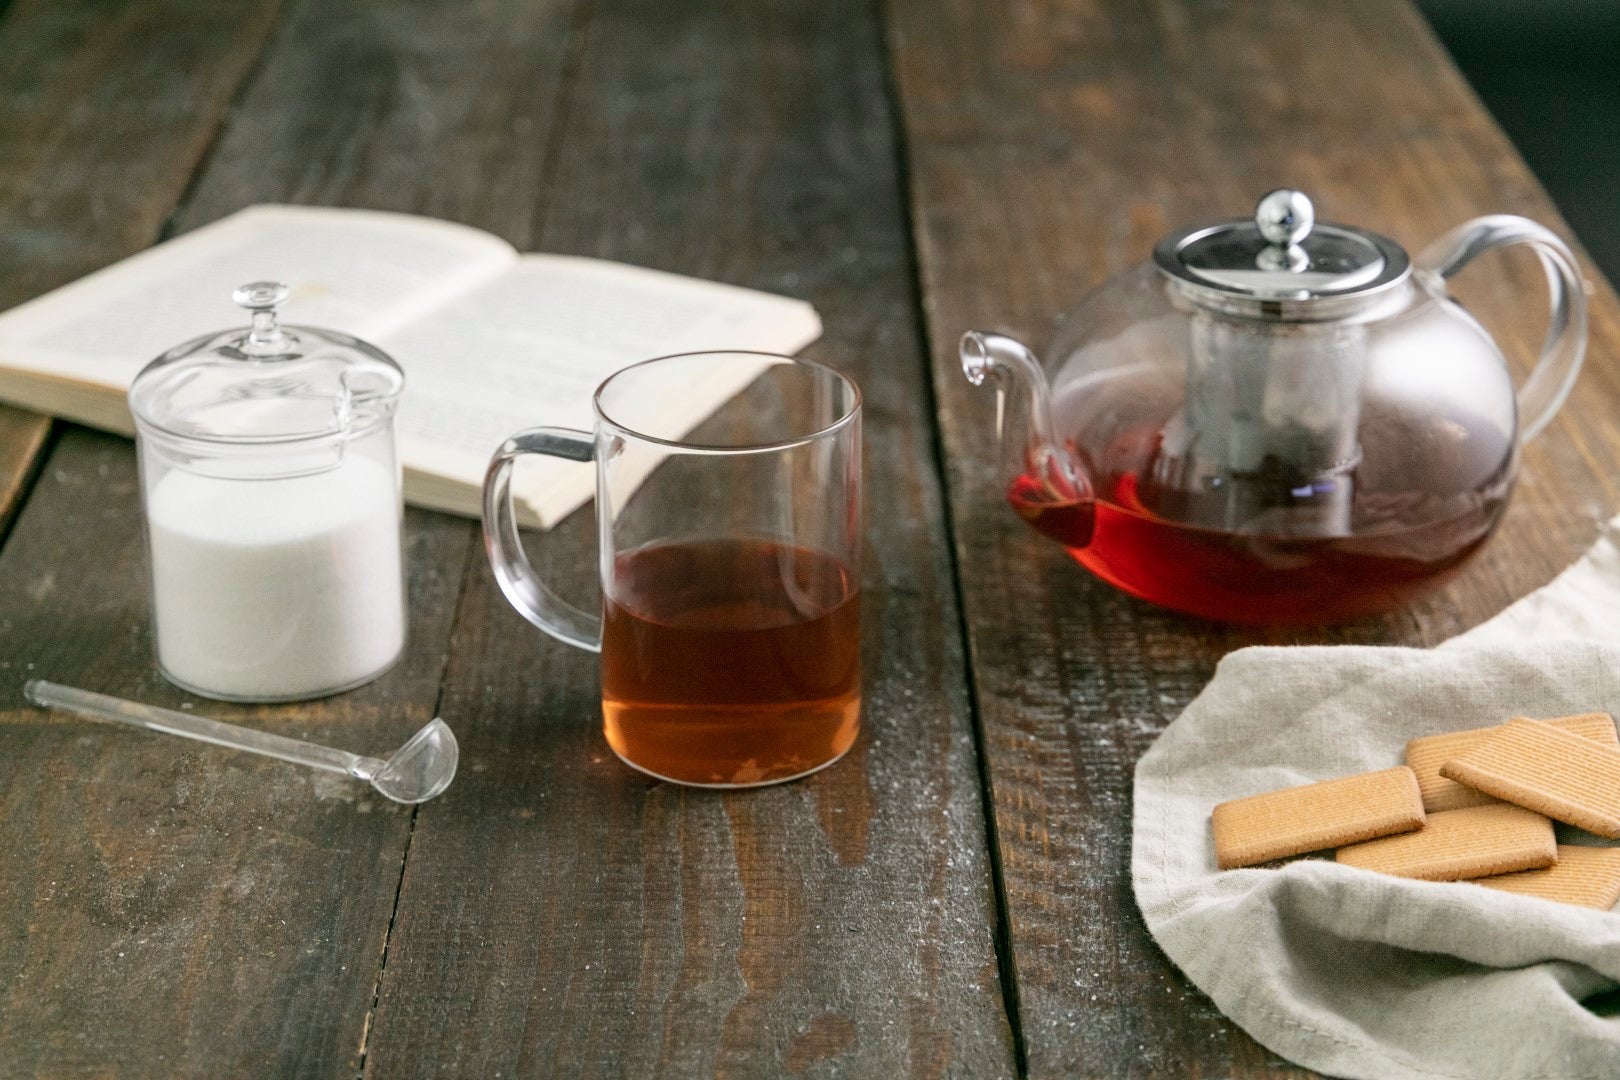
1550 72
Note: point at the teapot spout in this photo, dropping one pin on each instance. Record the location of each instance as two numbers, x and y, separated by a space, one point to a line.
1048 462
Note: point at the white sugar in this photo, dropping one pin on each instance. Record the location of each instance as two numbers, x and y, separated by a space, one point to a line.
275 589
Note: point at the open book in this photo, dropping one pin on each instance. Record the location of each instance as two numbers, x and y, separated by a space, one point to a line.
491 341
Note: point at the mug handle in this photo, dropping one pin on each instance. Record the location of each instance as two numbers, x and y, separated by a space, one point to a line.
1549 383
533 599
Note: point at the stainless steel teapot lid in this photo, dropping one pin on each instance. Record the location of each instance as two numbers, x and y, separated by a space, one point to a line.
1282 254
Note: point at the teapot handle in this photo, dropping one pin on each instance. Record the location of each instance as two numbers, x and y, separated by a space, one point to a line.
1561 353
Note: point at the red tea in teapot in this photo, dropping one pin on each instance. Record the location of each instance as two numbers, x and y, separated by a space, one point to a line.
1417 495
1245 578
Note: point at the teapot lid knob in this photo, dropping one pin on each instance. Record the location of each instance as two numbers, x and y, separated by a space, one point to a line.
1284 217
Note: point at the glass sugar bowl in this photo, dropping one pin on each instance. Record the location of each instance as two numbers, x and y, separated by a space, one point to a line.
273 516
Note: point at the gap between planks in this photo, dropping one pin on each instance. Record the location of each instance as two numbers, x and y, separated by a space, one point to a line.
1006 960
573 57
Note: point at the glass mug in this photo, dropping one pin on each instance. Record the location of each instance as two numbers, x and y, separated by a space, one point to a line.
729 564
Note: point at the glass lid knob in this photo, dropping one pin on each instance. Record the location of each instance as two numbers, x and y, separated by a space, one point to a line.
261 295
265 338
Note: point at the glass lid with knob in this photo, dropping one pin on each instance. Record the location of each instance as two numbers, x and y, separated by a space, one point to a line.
267 382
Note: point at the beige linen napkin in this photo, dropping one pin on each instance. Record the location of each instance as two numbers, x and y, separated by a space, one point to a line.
1354 973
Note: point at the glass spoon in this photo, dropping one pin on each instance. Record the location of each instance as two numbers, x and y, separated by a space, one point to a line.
414 773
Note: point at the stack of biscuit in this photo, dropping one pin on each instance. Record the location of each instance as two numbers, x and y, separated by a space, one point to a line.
1473 806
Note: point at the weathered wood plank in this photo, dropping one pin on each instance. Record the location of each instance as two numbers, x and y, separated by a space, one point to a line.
168 910
171 911
561 913
422 108
1050 143
104 115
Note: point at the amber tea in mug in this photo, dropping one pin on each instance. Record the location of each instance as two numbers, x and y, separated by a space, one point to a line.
730 626
737 661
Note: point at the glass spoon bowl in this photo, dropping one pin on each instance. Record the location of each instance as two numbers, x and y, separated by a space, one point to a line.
420 769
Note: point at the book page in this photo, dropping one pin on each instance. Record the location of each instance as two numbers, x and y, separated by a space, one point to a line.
359 271
530 346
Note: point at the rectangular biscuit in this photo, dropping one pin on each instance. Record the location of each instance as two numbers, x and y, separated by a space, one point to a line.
1427 754
1550 771
1312 817
1476 841
1585 876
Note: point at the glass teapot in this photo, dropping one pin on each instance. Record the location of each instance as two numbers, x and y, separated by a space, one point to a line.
1278 420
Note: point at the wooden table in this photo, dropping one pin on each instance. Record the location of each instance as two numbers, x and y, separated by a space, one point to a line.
951 900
